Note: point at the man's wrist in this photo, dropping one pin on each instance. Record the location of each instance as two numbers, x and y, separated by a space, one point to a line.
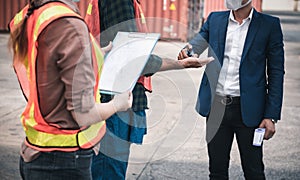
182 64
274 121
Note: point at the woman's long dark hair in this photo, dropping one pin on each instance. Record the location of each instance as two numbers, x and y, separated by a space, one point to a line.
18 40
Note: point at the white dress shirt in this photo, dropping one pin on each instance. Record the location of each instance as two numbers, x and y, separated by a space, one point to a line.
228 83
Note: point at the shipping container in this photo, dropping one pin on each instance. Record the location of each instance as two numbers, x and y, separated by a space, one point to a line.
219 5
8 9
173 19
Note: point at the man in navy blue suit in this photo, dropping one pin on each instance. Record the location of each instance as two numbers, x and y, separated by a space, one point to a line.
243 90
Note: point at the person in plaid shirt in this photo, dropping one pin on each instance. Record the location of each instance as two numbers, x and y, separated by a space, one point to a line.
123 128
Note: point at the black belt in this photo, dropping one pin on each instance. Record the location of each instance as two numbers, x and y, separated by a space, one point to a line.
228 100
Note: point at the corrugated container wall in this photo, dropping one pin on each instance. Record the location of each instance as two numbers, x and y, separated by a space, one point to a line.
8 9
174 19
219 5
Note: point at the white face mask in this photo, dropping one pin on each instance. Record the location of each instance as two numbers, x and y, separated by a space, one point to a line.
235 4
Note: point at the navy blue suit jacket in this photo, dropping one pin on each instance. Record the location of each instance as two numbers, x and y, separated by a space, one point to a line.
261 70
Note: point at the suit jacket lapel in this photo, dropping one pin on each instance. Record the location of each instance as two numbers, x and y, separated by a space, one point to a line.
253 28
223 24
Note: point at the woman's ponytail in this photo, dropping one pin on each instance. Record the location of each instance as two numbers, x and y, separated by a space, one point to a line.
18 41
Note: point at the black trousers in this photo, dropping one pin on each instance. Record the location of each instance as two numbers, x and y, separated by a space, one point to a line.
224 122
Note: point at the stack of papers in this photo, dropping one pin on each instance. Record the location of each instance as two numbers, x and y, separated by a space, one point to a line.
124 64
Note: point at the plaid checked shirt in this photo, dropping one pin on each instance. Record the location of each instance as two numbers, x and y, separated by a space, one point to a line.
118 15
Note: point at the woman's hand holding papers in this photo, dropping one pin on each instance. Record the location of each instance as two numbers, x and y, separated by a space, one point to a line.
102 111
122 102
107 48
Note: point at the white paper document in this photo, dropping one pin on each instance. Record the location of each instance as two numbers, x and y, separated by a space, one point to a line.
258 136
124 64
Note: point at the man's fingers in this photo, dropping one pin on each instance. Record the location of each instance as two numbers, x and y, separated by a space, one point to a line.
179 56
269 134
182 54
195 55
206 61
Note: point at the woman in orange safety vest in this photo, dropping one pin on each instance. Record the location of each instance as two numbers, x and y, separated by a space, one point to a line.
58 66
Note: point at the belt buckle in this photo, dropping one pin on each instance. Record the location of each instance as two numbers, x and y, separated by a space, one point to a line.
227 100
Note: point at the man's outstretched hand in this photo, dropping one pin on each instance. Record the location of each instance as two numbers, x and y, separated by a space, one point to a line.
194 62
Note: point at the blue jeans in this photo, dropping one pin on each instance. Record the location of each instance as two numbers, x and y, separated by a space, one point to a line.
123 129
58 165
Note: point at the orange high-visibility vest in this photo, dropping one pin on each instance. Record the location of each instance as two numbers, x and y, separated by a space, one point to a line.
93 21
39 134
